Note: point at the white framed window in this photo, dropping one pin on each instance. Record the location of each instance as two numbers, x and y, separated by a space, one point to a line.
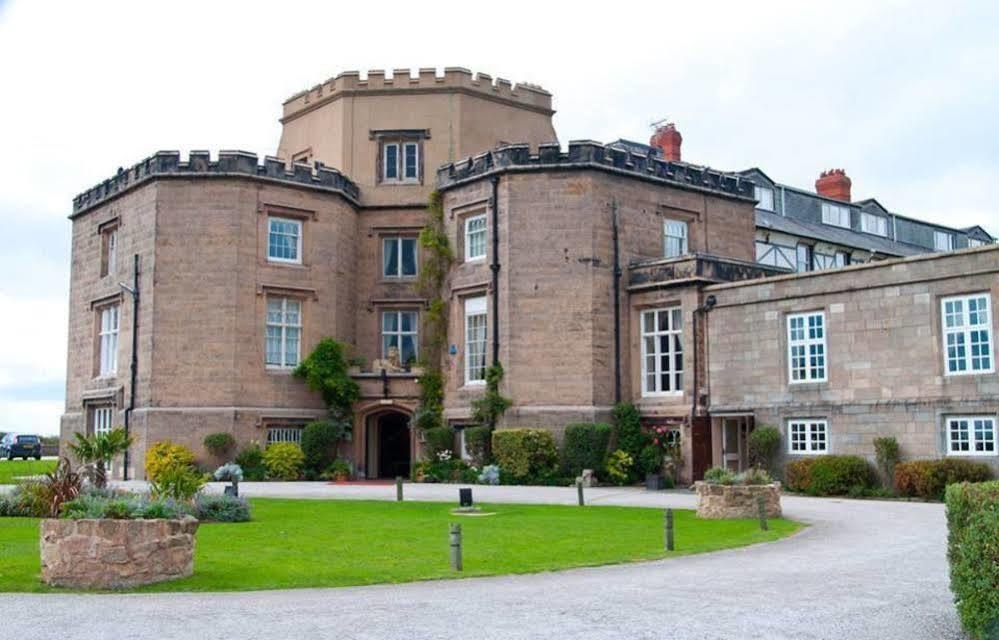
399 258
276 434
284 332
842 259
943 241
836 215
401 162
967 334
975 242
775 255
284 240
108 339
675 238
475 237
764 198
109 251
103 419
806 347
662 351
410 161
971 436
808 437
475 340
803 255
399 330
870 223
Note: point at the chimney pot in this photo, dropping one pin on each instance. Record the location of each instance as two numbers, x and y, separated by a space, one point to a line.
835 184
667 139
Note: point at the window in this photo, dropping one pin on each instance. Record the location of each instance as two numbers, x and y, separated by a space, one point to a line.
821 261
942 241
806 346
764 198
284 332
101 420
399 330
662 351
401 162
284 240
775 255
410 158
398 257
475 237
108 339
284 434
870 223
803 261
808 436
842 259
109 251
975 242
967 330
971 436
475 340
675 233
836 215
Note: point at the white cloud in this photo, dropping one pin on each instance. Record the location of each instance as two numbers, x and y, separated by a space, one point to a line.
31 416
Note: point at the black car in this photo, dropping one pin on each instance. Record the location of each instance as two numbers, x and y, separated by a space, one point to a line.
20 446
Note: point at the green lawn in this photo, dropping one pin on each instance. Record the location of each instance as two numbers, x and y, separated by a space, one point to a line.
329 543
9 469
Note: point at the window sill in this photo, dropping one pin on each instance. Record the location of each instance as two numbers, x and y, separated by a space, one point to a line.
399 183
663 394
473 386
285 263
279 371
474 260
807 453
971 454
965 374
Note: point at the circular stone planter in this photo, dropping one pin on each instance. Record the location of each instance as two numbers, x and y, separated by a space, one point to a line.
723 501
116 554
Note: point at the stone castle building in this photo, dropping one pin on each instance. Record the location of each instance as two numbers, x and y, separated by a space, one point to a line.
596 273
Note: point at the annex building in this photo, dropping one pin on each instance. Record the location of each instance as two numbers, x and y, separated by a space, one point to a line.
596 273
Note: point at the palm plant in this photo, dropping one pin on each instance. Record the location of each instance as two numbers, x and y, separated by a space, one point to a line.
98 449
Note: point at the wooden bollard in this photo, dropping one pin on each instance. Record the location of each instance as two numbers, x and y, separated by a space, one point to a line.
669 529
761 506
398 488
579 492
455 547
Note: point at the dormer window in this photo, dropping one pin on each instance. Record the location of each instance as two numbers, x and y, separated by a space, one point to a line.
836 215
764 198
400 154
870 223
975 242
943 241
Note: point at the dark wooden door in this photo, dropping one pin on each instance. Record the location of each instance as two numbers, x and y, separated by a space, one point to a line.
700 446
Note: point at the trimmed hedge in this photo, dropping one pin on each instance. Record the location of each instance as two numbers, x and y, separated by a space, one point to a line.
525 456
928 479
973 553
439 439
164 455
829 475
584 446
320 441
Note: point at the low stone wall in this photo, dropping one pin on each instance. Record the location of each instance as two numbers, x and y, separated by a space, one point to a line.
720 501
116 554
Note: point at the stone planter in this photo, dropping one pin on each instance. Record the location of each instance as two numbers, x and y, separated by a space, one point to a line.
116 554
654 482
721 501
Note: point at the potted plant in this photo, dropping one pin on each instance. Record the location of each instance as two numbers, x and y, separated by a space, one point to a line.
232 473
338 471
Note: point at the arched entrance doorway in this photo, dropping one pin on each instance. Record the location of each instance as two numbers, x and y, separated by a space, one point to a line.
388 445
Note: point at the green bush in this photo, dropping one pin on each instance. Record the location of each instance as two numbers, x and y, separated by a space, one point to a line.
886 452
829 475
973 553
628 424
650 460
798 475
447 470
320 440
284 461
94 505
764 445
584 446
753 475
219 444
477 440
177 483
619 465
439 440
251 461
221 508
339 469
164 455
928 479
719 475
525 456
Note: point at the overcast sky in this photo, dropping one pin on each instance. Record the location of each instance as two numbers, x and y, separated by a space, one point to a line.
903 96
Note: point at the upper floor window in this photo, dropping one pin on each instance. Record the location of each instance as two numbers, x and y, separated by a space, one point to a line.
971 436
475 340
284 240
975 242
842 259
284 332
675 233
836 215
398 257
475 237
804 258
108 339
662 351
967 330
775 255
806 346
870 223
401 162
399 332
823 261
808 436
109 250
764 198
943 241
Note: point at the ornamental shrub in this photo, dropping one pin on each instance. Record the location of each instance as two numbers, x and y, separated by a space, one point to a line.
619 465
251 461
928 479
753 476
837 475
477 440
219 444
650 460
798 475
764 444
164 455
628 425
284 461
177 482
584 446
719 475
886 452
973 554
438 440
525 456
229 472
490 475
320 440
221 508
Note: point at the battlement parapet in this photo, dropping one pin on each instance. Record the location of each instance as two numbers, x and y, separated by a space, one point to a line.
426 80
168 164
588 154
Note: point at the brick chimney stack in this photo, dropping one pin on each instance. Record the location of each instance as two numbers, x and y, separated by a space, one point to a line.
668 139
834 184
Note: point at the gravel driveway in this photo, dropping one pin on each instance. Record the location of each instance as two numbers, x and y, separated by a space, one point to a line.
863 569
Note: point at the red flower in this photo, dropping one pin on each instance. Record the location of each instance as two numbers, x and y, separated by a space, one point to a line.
655 440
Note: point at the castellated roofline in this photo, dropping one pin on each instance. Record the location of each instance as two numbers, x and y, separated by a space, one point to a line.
230 164
587 154
456 79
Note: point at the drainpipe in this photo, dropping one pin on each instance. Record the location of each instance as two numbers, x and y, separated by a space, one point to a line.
617 305
495 268
134 292
709 304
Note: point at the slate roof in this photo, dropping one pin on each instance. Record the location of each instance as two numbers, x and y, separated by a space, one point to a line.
835 235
